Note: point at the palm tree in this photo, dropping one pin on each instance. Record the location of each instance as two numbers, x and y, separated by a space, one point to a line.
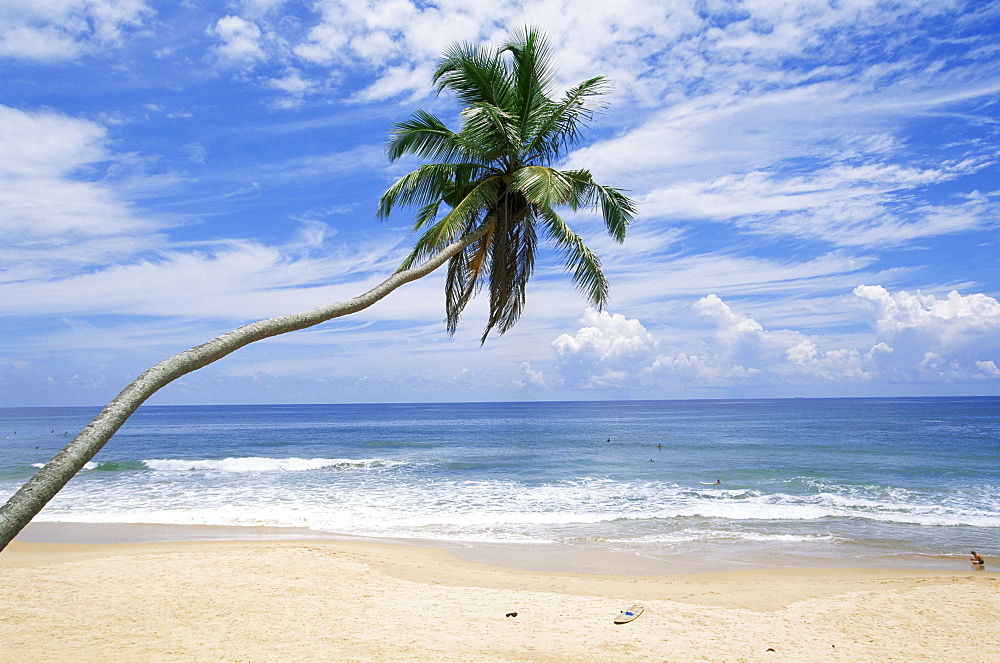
495 174
497 182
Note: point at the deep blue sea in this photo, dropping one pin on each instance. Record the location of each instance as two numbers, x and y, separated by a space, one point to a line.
877 482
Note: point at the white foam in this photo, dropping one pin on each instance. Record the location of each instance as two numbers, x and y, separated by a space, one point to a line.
373 497
259 464
89 465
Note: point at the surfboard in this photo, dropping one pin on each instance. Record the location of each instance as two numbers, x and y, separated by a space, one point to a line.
708 483
628 615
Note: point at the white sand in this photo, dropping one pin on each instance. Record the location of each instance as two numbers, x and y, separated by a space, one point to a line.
335 601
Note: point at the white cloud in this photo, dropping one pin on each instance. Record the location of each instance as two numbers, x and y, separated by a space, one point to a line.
400 40
671 44
234 280
295 87
739 348
530 377
53 204
400 79
74 244
989 368
292 83
64 29
738 159
605 351
240 40
605 337
835 365
951 338
953 314
843 204
912 337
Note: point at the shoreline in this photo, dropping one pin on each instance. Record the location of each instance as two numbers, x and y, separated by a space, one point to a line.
324 599
542 557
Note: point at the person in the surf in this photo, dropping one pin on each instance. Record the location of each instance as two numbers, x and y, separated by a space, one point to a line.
977 559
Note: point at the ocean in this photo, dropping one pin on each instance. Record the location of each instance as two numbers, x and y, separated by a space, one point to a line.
889 482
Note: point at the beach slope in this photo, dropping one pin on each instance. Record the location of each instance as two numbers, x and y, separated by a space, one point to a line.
323 600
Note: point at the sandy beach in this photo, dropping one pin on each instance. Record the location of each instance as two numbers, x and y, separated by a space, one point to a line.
346 601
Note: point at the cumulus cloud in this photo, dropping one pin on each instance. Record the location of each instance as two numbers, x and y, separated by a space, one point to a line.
239 40
53 31
952 337
606 350
739 349
530 377
606 337
946 317
912 337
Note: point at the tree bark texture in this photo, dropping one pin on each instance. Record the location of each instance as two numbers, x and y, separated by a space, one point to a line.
43 486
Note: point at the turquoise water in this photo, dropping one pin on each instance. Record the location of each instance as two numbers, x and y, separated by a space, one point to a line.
859 481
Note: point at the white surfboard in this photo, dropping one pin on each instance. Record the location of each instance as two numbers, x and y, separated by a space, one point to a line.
628 615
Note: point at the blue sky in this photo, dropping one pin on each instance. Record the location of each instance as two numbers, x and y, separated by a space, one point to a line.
817 183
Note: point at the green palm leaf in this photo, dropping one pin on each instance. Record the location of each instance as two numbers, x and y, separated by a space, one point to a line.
425 136
494 177
474 75
559 127
579 259
542 185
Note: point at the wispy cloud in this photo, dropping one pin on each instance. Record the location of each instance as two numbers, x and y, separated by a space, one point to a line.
53 31
55 205
221 163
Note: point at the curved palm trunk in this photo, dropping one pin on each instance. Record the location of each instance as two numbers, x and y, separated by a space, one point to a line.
43 486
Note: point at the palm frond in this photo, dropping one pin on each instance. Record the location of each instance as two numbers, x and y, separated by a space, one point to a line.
425 136
429 183
617 209
423 186
578 257
512 261
462 218
492 130
542 185
426 214
531 74
458 290
474 74
479 198
559 126
495 175
463 280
